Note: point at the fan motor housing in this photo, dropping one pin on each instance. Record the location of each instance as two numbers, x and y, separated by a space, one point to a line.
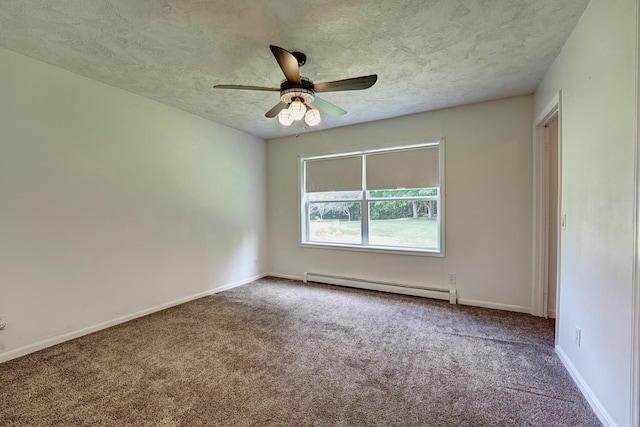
289 91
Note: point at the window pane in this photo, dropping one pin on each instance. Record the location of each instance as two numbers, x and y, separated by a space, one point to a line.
406 223
407 192
335 222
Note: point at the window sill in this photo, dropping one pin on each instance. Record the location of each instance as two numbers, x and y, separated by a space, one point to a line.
374 249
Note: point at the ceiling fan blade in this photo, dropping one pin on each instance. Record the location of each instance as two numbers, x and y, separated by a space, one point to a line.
356 83
327 107
275 110
288 63
268 89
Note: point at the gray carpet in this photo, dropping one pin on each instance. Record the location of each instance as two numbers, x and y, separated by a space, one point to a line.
279 352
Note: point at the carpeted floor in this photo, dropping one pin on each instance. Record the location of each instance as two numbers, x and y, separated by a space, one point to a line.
282 353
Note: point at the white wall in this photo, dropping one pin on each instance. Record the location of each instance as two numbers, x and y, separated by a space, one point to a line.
488 202
595 72
112 204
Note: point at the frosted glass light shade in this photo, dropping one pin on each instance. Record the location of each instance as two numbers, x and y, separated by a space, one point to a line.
297 109
312 117
284 117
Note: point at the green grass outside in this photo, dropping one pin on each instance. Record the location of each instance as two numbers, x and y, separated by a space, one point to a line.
409 232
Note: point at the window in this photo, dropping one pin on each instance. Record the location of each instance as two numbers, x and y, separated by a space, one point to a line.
376 200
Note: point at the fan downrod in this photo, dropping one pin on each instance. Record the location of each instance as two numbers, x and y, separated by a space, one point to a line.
301 57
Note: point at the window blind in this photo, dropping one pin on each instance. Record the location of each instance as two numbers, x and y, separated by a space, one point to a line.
334 174
412 168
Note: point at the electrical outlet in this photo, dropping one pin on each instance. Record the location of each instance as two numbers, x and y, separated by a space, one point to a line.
3 322
578 336
452 279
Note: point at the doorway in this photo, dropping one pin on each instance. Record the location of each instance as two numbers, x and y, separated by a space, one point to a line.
553 215
547 188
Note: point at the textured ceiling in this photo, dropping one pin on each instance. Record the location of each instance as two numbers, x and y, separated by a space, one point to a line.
428 54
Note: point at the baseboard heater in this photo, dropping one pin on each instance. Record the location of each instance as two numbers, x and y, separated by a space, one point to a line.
447 294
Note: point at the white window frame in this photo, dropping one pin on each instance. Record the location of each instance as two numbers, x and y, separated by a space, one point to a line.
303 204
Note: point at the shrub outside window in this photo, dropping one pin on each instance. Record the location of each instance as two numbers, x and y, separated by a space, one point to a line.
375 200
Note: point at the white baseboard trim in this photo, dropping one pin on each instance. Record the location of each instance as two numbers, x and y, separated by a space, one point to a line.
595 404
49 342
285 276
477 303
494 305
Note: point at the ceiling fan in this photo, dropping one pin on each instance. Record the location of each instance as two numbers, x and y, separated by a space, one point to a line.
298 97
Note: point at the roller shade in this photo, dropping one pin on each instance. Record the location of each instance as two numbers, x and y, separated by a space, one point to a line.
334 174
415 168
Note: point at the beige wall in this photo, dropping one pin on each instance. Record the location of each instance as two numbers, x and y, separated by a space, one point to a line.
113 204
488 202
596 73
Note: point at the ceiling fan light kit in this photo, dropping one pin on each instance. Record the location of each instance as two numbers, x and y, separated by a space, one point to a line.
298 97
296 111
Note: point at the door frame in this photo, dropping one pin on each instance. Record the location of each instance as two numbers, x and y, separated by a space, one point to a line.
635 308
539 284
